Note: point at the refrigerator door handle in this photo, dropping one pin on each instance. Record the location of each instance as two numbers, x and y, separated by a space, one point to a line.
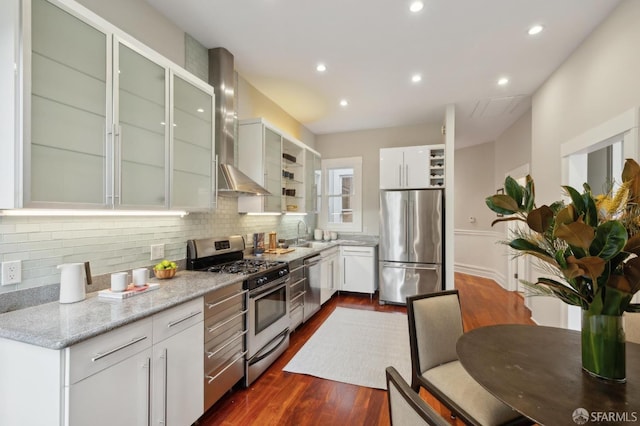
422 268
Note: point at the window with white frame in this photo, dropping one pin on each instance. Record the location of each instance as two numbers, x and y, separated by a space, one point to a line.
341 206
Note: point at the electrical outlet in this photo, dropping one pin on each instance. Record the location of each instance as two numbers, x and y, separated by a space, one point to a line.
11 272
157 251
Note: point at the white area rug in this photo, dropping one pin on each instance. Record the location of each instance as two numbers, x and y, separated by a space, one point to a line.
355 346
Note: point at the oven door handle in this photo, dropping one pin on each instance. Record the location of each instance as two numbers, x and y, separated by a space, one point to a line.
268 287
260 356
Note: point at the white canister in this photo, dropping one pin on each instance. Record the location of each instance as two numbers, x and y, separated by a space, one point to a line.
327 235
119 281
334 235
317 234
140 276
71 282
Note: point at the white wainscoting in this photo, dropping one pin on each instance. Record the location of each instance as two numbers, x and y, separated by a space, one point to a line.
480 253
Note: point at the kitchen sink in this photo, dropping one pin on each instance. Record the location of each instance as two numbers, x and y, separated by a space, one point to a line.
313 244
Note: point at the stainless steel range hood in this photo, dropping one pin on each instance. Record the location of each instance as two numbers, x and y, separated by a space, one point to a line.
231 181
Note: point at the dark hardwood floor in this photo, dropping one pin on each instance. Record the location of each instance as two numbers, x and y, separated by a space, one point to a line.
280 398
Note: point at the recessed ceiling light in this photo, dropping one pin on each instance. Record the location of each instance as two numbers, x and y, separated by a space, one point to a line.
416 6
321 68
344 103
503 81
200 110
416 78
536 29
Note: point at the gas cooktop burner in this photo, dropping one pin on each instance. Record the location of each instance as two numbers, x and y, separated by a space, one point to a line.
244 266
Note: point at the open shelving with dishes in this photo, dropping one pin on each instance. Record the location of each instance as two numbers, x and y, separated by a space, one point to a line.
278 162
292 175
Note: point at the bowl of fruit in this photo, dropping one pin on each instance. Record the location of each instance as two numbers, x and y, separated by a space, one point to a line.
165 269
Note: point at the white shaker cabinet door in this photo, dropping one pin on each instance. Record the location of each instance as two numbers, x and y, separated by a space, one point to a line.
118 395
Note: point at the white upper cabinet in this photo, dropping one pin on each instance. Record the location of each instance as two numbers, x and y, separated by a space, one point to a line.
260 158
106 121
412 167
193 170
277 162
65 146
141 135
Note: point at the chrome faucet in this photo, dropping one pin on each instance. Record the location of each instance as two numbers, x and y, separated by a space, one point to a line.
306 230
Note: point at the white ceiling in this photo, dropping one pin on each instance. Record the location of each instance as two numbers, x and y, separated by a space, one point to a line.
372 47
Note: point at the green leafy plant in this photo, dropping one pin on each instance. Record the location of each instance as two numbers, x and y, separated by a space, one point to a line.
590 246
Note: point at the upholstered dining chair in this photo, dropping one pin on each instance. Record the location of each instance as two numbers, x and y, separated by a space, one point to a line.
435 324
632 326
406 407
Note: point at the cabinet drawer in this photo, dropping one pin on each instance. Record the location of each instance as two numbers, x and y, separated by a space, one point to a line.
93 355
216 359
297 273
224 303
218 384
216 333
174 320
356 251
297 299
296 287
296 316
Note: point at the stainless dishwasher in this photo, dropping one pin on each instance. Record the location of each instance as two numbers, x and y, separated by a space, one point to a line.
312 290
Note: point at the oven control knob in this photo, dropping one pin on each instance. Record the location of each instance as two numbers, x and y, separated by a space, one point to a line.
261 280
282 272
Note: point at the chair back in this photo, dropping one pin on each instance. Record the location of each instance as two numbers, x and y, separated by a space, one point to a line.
435 324
405 405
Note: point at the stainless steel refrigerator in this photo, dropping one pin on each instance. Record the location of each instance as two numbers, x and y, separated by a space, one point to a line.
411 243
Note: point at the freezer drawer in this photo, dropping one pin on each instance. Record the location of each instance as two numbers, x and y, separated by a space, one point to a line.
400 280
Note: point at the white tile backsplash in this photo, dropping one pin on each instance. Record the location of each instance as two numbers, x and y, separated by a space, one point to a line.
120 243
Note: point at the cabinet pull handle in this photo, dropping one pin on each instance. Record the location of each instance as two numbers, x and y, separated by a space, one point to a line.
421 268
220 302
118 191
212 378
400 175
176 322
406 175
164 382
99 356
231 340
225 322
214 178
147 392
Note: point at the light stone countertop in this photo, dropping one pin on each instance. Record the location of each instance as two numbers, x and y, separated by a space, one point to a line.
57 326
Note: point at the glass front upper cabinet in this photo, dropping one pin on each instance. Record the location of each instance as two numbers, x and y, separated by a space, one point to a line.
65 143
193 157
142 135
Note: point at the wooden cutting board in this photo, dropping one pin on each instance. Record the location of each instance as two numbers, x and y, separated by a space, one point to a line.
279 250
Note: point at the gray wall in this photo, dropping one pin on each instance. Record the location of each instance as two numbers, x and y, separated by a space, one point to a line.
138 19
600 80
367 144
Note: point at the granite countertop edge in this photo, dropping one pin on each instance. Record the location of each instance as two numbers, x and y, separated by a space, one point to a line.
57 326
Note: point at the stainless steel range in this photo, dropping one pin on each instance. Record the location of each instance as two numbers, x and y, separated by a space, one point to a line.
268 296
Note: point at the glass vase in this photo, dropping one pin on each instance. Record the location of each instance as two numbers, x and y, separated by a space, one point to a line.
603 346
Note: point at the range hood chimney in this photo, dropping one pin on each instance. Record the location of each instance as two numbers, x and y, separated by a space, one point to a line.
231 181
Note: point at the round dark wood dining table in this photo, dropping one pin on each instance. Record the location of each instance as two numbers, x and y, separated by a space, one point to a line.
538 372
